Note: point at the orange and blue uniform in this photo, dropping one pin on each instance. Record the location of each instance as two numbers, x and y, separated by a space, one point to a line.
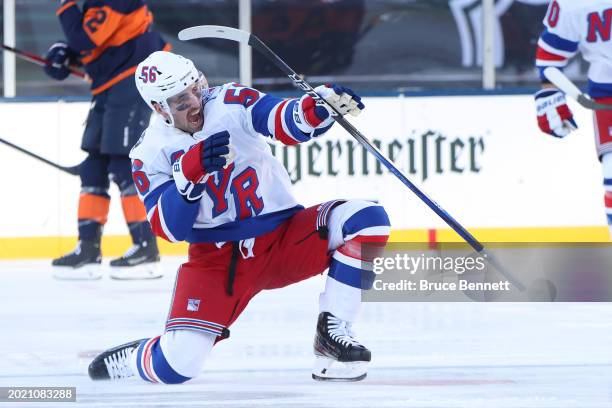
112 37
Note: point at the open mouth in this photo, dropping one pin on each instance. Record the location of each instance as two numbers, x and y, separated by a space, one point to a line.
195 117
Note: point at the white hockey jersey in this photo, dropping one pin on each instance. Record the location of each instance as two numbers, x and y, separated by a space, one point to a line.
579 25
250 197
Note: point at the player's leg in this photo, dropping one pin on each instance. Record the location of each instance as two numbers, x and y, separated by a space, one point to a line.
200 312
141 261
94 201
126 116
603 138
173 358
358 231
303 250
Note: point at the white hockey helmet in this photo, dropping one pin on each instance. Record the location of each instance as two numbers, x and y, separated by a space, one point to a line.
164 74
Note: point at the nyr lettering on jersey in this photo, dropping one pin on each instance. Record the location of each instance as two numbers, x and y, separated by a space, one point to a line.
176 155
244 190
599 24
553 14
216 191
140 178
241 96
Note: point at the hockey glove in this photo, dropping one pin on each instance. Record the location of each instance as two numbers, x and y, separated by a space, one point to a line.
554 116
341 98
192 169
59 56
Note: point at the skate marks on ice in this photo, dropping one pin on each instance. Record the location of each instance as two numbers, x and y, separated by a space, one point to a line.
507 355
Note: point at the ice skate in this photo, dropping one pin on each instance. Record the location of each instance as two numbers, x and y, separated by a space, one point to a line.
339 356
115 363
84 263
141 261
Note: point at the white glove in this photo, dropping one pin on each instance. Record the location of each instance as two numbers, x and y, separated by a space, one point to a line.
343 99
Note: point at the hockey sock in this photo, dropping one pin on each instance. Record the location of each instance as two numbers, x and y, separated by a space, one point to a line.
341 300
94 204
151 364
136 218
173 358
365 230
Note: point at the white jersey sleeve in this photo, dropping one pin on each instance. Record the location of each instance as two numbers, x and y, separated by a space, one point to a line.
560 38
583 26
284 120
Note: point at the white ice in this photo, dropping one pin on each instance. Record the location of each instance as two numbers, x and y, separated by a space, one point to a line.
424 354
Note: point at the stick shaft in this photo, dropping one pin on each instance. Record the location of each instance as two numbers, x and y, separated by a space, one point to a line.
561 81
38 60
73 170
300 83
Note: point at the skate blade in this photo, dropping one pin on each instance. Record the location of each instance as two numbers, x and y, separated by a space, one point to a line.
85 272
151 270
327 369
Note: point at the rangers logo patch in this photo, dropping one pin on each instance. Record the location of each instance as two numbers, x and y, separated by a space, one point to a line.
193 305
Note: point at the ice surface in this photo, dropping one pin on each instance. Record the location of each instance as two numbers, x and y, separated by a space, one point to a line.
424 354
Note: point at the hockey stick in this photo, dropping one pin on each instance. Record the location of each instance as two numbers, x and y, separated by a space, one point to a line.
74 170
561 81
240 36
38 60
233 34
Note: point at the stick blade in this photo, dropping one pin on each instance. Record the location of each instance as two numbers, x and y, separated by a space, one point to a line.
213 31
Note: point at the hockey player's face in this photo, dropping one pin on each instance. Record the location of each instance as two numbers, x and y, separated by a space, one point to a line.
186 109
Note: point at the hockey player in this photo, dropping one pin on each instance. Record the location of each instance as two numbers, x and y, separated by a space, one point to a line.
207 176
572 26
109 38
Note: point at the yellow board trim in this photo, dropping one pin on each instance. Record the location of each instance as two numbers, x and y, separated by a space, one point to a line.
116 245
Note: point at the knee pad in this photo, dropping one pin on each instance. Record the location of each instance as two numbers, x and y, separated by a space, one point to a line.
120 172
93 172
358 232
357 217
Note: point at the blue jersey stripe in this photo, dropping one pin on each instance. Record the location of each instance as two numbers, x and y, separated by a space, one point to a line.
243 229
261 112
151 198
178 214
599 89
558 42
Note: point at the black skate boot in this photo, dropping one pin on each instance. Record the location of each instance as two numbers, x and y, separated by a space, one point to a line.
81 264
336 345
141 261
115 363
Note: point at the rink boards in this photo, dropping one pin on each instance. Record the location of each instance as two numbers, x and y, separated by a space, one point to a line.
482 158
